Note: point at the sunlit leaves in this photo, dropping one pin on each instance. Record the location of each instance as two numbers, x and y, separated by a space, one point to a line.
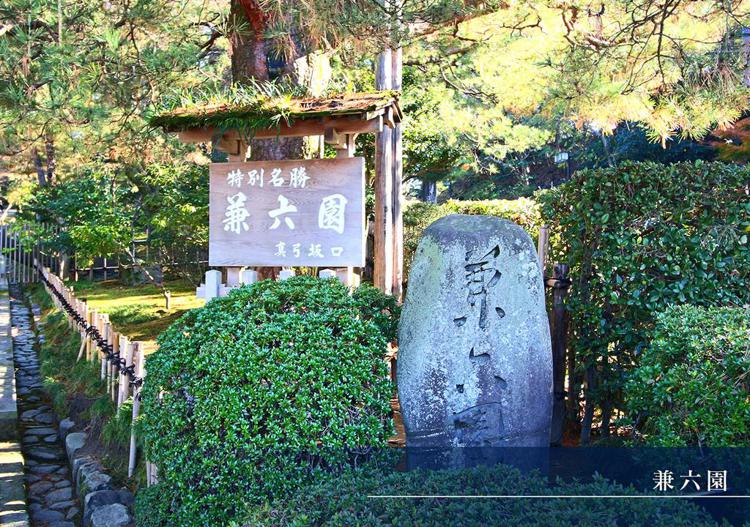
94 69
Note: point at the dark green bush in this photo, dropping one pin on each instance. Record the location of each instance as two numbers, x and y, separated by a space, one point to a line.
253 394
640 237
691 387
343 502
418 215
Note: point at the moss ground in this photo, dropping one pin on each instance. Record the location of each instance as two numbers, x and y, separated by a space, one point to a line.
138 310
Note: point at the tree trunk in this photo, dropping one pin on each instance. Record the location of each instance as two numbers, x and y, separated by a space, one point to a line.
40 174
572 406
62 266
606 416
588 413
250 53
559 345
607 151
49 144
429 191
249 47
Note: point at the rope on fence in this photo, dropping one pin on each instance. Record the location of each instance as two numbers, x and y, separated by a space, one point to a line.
107 349
129 367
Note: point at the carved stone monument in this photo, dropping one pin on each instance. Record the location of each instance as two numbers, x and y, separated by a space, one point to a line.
475 358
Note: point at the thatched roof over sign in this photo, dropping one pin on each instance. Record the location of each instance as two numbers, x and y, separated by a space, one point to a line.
271 112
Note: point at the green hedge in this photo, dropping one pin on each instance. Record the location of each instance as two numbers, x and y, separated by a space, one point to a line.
640 237
418 215
691 387
251 395
342 501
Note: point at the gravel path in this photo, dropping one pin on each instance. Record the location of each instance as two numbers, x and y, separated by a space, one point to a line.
49 489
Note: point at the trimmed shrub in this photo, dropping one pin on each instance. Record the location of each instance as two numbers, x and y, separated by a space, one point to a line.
253 394
691 387
640 237
343 502
419 215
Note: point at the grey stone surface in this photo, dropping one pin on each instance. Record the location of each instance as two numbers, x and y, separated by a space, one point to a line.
91 478
12 496
46 515
8 407
45 454
59 495
89 475
13 510
65 426
79 462
40 487
114 515
40 431
475 359
62 505
50 498
74 442
94 500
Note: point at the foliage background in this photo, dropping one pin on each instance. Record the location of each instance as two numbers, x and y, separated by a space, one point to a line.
691 386
640 237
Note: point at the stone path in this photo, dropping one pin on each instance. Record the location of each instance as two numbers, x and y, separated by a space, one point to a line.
12 491
50 492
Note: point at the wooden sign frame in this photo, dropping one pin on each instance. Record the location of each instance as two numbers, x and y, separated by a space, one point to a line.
288 213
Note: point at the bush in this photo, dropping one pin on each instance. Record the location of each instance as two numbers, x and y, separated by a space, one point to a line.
418 215
253 394
343 502
640 237
691 387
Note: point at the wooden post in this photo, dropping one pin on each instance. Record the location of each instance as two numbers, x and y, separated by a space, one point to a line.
383 257
3 265
398 220
543 247
345 147
114 340
139 372
16 255
34 254
83 310
100 327
71 300
127 348
107 327
151 474
24 255
89 341
559 284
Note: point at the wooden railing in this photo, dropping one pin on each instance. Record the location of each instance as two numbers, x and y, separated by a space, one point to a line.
119 360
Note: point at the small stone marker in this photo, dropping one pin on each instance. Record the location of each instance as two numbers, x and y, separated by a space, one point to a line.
210 288
248 276
475 358
234 275
327 273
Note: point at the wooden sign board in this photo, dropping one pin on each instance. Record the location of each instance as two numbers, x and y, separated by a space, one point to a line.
287 213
